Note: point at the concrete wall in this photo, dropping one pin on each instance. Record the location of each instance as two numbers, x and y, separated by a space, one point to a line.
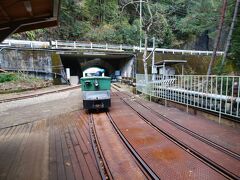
44 64
196 64
51 62
128 69
26 60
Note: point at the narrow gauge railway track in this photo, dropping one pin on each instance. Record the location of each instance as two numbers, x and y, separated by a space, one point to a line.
188 131
143 164
192 133
161 154
102 162
228 174
38 94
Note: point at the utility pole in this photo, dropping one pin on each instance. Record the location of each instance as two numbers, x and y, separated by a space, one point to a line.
153 60
217 40
140 42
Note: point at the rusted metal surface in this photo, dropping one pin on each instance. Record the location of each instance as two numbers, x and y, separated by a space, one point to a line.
197 135
119 161
143 164
168 160
100 159
225 136
225 163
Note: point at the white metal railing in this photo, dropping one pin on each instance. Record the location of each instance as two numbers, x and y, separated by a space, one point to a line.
97 46
83 45
24 44
220 94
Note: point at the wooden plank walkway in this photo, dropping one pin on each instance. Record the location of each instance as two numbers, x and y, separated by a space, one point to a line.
57 148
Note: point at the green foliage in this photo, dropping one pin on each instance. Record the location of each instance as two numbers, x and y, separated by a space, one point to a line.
117 33
107 21
201 15
104 33
234 52
161 28
196 18
101 11
5 77
175 23
127 33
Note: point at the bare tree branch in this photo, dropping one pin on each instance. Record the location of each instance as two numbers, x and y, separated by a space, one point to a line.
151 53
151 17
132 2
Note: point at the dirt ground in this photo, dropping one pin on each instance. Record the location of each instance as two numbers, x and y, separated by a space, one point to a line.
37 108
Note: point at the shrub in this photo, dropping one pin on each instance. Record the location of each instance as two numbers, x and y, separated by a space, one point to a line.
4 77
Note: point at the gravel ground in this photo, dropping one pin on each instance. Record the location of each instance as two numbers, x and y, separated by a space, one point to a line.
42 90
38 108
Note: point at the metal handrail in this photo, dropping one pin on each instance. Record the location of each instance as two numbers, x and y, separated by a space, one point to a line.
220 94
58 44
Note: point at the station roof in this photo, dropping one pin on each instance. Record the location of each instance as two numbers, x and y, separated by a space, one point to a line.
170 62
25 15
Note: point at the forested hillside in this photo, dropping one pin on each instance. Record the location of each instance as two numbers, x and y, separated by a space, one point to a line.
188 24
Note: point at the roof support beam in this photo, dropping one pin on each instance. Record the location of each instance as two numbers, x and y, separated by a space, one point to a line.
25 21
28 7
56 7
29 17
4 13
7 32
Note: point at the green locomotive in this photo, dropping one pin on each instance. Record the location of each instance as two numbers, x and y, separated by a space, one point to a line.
96 92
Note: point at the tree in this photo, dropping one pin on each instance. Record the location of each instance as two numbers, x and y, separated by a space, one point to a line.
234 49
154 23
217 41
234 19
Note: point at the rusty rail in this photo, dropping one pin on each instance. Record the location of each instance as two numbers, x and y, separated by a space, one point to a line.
195 153
190 132
102 164
142 163
187 148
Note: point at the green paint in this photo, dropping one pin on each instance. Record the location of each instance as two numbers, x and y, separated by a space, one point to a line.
95 83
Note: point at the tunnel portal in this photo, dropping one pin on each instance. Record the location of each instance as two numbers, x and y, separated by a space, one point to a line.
110 62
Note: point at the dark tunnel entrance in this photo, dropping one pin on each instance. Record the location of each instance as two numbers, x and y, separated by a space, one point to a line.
75 69
110 62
